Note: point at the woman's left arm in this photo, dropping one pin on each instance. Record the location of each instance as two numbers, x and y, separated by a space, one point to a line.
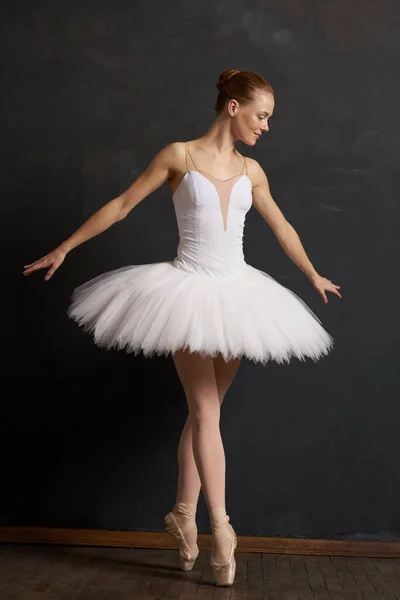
284 231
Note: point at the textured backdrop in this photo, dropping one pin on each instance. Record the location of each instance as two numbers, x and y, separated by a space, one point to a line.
91 92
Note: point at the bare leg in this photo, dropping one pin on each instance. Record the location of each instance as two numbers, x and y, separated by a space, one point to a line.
205 382
189 485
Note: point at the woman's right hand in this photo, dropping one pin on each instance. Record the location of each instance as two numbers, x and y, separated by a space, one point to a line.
53 260
158 171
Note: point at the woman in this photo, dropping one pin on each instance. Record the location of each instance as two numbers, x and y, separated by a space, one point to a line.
207 307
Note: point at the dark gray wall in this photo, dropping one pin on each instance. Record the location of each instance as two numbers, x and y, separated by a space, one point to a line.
90 93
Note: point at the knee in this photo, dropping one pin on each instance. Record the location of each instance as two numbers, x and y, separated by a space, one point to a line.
205 413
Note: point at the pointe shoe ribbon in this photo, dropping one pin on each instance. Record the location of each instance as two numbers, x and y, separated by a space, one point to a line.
177 525
224 574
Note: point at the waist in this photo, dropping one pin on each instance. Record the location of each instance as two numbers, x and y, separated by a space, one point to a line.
220 270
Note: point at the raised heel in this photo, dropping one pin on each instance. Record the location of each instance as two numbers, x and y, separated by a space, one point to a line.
185 564
186 557
224 574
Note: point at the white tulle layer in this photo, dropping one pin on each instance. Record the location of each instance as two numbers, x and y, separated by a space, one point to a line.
158 308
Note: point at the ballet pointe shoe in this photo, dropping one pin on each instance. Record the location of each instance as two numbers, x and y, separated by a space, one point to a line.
224 573
178 523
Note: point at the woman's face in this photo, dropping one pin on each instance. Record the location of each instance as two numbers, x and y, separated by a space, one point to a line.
251 120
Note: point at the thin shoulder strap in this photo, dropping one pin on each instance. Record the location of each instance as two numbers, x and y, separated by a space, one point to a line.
188 152
245 165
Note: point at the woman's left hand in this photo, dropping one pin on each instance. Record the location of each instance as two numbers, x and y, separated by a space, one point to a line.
322 285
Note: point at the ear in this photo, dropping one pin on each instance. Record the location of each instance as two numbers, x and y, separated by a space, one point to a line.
233 107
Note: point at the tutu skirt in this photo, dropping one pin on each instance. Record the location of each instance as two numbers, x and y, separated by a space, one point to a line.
158 308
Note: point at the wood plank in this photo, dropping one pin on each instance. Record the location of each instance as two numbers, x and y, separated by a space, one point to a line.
48 572
138 539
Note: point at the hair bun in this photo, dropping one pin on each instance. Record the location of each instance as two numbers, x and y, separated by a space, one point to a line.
225 76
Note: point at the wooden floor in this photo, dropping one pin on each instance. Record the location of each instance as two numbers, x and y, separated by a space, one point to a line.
32 572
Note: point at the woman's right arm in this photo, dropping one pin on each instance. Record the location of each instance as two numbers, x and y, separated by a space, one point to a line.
159 170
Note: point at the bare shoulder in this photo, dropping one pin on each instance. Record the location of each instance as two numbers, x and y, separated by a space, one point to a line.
172 152
173 157
255 172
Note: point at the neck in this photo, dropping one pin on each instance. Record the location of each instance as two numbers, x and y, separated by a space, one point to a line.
219 139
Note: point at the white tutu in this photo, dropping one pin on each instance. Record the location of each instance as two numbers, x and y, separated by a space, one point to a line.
159 308
208 299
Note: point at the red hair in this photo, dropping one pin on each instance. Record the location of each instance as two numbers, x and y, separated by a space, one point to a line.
240 86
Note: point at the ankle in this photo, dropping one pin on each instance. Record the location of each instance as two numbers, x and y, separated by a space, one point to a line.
185 510
218 517
218 514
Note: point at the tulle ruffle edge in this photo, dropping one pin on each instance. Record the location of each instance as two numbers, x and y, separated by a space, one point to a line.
157 310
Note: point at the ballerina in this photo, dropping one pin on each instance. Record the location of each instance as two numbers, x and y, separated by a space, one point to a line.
208 308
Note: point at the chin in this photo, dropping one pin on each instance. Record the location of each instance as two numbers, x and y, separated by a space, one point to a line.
250 141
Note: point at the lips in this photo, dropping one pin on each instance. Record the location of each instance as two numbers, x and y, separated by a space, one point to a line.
257 134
